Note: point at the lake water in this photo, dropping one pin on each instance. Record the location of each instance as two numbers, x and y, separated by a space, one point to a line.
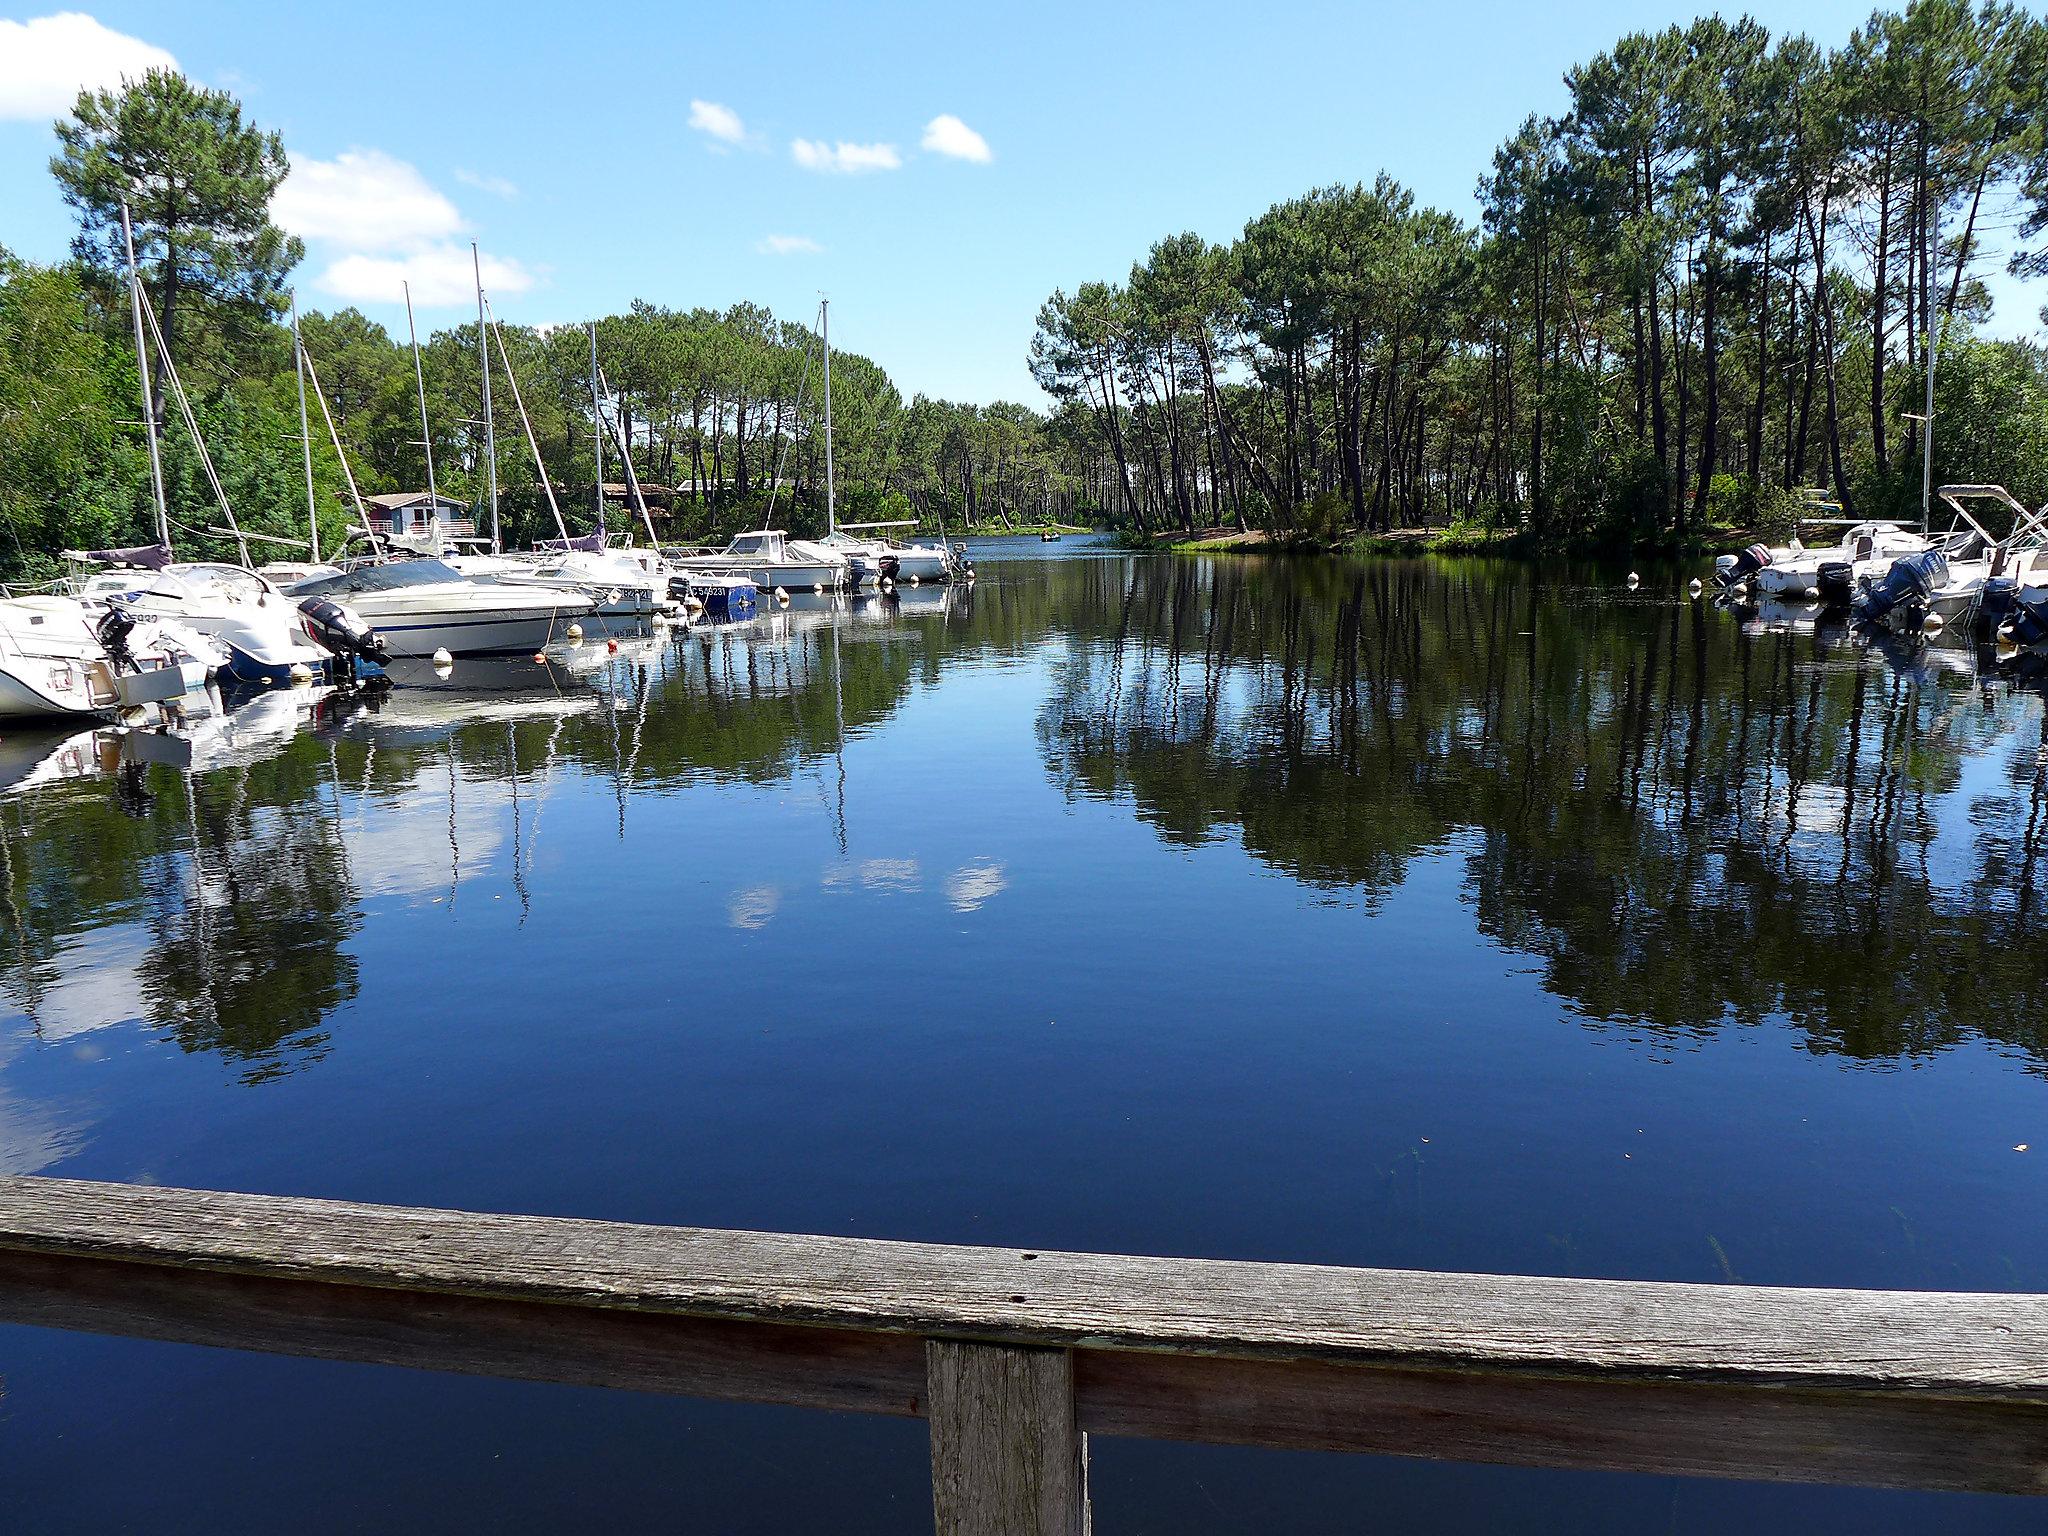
1421 914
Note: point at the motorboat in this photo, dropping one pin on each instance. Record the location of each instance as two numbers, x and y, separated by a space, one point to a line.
630 584
878 559
1831 574
1946 585
770 558
60 656
418 607
262 630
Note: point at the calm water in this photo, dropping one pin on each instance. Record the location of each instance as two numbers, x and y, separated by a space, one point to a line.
1409 914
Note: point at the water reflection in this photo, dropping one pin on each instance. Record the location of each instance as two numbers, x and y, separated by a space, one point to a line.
1690 819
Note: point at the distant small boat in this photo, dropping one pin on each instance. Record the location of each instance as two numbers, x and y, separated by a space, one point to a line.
1050 538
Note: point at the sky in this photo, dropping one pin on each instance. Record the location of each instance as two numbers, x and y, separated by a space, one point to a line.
937 170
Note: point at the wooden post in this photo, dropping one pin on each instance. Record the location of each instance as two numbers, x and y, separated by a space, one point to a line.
1007 1456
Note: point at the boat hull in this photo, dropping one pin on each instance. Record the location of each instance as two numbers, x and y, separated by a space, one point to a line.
484 633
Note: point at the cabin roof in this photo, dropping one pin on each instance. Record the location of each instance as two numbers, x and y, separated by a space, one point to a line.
391 501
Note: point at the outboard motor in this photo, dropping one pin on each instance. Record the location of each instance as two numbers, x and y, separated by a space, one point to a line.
1744 565
342 630
1998 601
114 628
2028 622
1836 583
1910 581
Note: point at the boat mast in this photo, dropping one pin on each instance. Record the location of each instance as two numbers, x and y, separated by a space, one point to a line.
632 475
156 463
420 377
597 428
825 339
1927 258
305 433
540 466
341 453
483 347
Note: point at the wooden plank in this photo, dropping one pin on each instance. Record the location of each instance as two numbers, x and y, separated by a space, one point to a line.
1293 1405
1769 1434
1967 1345
1007 1459
881 1373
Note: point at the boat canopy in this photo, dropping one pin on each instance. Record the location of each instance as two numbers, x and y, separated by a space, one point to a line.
389 577
150 557
589 543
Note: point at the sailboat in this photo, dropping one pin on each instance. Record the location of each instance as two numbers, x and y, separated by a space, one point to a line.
871 560
265 636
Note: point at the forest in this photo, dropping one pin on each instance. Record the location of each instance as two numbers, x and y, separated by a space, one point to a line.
1703 292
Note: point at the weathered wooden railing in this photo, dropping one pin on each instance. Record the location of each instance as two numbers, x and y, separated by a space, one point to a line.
1015 1357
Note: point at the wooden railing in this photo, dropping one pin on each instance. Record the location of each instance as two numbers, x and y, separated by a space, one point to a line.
1016 1357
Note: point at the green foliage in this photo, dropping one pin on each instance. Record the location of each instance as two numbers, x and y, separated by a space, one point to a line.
198 181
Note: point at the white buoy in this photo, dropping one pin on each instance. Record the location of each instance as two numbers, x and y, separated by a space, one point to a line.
970 573
443 668
1932 624
888 584
442 658
782 596
574 632
913 578
301 673
1696 588
1634 580
818 587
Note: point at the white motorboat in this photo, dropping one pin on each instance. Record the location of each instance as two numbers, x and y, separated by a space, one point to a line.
631 584
770 558
1945 585
54 659
418 607
1865 549
874 560
261 628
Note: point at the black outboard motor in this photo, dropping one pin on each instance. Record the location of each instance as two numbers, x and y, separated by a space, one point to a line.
1746 565
341 630
1998 601
113 629
1910 581
1836 581
2028 623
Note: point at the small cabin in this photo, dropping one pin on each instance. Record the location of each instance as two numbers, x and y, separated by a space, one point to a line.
402 514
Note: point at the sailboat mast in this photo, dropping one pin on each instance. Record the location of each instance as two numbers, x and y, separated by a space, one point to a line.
1927 260
825 339
156 462
596 427
483 347
540 465
419 375
305 434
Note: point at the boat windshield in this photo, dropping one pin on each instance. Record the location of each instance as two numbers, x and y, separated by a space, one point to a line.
382 578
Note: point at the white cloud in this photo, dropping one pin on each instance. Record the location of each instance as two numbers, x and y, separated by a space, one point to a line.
364 200
848 159
788 245
497 186
722 123
46 62
439 275
947 135
971 885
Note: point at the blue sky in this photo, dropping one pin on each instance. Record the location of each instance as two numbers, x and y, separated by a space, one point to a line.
560 138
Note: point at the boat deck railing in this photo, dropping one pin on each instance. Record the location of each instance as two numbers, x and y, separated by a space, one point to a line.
1015 1357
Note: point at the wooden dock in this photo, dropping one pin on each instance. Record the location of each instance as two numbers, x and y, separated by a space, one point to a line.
1016 1357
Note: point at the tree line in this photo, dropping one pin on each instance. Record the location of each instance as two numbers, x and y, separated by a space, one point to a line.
1706 286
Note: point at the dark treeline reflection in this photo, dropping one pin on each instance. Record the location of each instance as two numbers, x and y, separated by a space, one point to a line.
1689 820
